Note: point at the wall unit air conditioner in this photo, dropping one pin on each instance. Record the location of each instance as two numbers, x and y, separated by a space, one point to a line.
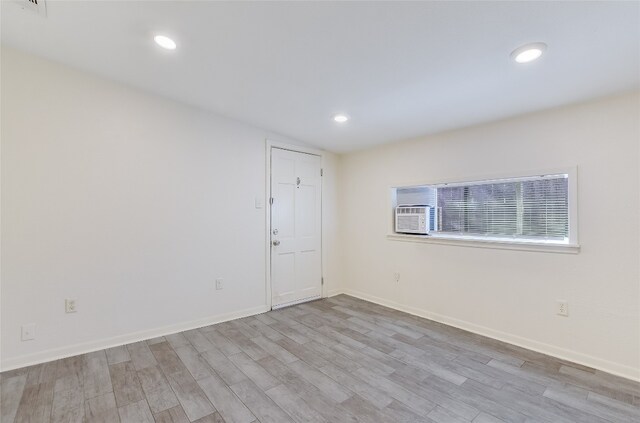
413 219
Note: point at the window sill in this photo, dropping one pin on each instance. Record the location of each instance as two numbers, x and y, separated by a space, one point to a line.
482 243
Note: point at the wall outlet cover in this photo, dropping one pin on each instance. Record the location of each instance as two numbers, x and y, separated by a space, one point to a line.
28 332
219 284
70 305
562 308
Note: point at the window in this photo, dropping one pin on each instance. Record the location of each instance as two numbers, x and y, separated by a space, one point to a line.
534 208
524 209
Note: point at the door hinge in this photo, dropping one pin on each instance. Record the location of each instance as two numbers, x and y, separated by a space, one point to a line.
271 200
321 172
321 281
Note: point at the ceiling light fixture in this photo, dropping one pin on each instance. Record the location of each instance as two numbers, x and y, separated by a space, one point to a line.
528 53
165 42
340 118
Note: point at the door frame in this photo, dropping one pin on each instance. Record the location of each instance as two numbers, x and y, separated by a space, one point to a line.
269 145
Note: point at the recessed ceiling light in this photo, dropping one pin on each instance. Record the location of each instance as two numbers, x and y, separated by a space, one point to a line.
165 42
529 52
340 118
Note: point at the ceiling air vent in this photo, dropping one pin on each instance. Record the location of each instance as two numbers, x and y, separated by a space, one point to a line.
35 6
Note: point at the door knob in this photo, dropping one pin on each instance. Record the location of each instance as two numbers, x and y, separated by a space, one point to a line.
276 242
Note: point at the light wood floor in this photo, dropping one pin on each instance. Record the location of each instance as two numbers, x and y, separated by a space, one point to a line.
334 360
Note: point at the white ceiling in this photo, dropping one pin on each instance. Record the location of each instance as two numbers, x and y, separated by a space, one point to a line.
399 69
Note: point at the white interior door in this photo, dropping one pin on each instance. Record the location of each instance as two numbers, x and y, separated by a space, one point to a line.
296 269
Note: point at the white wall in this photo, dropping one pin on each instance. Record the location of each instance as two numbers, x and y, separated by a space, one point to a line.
130 203
134 204
511 294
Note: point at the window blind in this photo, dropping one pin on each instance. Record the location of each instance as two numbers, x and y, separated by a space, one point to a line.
528 208
424 195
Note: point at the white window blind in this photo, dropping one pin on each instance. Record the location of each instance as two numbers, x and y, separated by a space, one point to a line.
525 208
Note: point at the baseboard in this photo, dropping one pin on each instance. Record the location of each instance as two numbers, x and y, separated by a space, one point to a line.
91 346
334 292
617 369
86 347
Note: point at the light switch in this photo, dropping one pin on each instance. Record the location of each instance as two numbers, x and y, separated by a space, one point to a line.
259 202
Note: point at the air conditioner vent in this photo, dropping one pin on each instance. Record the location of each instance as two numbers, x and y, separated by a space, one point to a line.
413 219
36 6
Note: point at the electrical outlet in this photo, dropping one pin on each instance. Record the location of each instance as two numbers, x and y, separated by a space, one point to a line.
29 332
219 285
70 305
396 276
562 308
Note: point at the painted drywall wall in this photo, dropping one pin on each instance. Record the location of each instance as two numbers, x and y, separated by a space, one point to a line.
503 293
131 204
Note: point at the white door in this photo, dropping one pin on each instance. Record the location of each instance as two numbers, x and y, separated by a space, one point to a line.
296 269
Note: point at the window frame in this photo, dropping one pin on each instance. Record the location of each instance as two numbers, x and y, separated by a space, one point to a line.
570 246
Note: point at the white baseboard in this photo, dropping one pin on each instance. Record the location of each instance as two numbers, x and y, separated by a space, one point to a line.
334 292
617 369
100 344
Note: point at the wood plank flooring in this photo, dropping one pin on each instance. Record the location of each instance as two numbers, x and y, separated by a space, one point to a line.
335 360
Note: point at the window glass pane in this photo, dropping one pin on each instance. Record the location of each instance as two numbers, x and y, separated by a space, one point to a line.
531 208
546 208
451 209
